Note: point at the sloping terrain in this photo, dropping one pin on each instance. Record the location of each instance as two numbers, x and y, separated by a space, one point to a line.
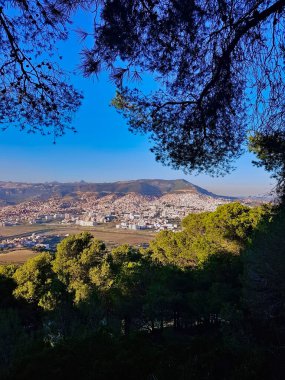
12 193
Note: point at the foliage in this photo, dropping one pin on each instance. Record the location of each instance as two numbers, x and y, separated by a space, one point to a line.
270 151
13 339
34 91
144 356
75 257
207 302
264 275
225 230
218 65
36 282
7 285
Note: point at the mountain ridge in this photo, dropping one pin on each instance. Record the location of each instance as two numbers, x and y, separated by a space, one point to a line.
17 192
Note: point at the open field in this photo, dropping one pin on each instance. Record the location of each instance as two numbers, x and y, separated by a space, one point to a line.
17 256
110 235
107 233
23 230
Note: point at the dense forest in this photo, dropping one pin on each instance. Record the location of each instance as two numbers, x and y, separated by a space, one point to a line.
203 303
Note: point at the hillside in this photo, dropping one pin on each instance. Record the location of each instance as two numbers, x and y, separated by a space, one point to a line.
14 192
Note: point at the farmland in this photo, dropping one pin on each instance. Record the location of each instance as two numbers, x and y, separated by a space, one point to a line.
110 235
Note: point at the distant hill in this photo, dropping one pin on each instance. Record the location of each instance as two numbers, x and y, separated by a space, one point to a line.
16 192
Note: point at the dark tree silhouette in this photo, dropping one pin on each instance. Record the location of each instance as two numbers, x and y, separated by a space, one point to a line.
220 66
270 152
34 91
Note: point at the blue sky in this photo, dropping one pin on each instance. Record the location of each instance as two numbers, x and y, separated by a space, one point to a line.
103 149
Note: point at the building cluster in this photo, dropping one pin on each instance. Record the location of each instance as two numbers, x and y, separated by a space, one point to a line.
130 211
32 241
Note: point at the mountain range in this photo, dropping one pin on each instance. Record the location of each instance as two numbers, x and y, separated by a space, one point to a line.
16 192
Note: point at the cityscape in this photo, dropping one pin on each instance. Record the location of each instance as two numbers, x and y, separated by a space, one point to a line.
136 211
131 211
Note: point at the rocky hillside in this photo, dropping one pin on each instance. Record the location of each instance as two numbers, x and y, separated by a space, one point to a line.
12 193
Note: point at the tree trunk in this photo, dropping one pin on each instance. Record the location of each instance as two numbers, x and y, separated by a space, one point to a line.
127 325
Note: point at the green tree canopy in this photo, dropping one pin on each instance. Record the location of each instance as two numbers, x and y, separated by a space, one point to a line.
226 230
36 282
75 257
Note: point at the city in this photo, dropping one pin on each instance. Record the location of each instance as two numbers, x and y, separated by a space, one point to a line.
129 211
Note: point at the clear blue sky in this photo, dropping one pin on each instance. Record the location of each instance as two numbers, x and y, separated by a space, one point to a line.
103 149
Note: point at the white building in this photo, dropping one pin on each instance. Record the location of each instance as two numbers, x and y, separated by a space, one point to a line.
86 223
